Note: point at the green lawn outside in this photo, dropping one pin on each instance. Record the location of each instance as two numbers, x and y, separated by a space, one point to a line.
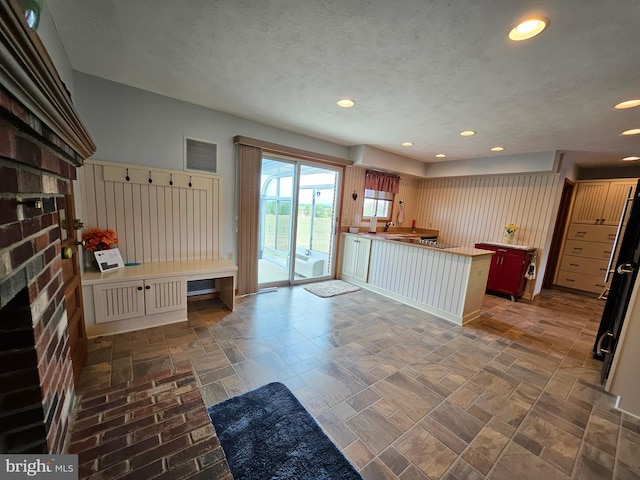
321 237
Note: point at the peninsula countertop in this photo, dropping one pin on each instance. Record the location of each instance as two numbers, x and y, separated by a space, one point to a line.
397 238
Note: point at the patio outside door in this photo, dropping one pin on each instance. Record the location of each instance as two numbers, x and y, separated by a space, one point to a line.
298 217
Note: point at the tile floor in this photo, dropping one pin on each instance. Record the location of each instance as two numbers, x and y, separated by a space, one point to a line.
404 394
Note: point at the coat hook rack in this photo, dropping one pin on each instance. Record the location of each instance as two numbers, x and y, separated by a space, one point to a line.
127 178
150 179
190 184
171 179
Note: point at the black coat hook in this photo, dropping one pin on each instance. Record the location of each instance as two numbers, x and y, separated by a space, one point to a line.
150 180
127 178
171 180
190 184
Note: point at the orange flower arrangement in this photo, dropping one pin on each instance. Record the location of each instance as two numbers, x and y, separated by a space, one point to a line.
96 239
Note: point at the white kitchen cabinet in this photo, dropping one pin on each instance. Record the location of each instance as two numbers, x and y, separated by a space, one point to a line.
355 257
600 202
124 300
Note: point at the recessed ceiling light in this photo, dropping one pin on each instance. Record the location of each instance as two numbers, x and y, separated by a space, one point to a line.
467 133
440 155
528 28
346 102
633 131
630 159
407 144
497 149
628 104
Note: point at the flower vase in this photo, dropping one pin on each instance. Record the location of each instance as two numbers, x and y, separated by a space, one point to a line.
508 237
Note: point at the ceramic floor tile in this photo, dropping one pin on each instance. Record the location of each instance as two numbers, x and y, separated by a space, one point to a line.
409 396
333 383
516 462
427 453
404 394
375 431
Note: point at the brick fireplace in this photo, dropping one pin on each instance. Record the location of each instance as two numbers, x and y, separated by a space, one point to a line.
41 143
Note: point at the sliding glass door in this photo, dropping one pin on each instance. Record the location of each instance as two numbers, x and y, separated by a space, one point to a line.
298 218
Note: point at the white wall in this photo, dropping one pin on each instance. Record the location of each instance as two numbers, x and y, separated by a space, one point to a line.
137 127
49 35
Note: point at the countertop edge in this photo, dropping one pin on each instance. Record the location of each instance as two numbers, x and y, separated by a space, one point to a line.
462 251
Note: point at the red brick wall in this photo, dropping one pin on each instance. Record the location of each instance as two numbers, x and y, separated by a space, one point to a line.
35 164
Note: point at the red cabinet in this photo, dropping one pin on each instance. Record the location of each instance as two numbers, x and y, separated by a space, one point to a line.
508 267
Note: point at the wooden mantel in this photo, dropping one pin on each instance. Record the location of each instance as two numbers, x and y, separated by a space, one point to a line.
27 73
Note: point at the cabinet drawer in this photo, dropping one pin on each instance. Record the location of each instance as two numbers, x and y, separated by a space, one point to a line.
587 283
580 248
591 233
586 266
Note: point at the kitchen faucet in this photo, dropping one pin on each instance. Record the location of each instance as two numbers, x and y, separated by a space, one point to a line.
387 225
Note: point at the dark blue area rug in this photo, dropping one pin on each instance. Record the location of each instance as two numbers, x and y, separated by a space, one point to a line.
267 434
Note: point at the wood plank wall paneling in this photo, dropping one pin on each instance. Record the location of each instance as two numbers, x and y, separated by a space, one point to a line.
467 210
153 221
418 273
352 210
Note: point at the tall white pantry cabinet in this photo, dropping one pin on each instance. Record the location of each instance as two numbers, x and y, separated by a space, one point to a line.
588 243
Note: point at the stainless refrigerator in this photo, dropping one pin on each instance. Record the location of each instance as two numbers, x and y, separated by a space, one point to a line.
623 269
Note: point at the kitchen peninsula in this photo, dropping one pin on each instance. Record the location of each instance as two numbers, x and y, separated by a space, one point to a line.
446 282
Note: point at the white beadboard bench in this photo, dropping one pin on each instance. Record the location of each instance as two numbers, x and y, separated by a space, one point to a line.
150 294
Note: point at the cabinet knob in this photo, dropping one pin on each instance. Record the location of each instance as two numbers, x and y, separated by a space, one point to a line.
139 288
148 287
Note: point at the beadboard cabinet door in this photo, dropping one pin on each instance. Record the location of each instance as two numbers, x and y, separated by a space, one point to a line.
118 300
355 259
136 298
600 203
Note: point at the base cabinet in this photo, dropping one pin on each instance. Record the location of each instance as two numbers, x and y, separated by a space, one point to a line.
508 269
123 300
355 257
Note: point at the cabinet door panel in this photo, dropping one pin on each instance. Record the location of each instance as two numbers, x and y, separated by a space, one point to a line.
362 260
512 274
616 199
349 256
589 201
118 301
165 294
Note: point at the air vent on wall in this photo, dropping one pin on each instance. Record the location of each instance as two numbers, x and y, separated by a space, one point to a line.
200 156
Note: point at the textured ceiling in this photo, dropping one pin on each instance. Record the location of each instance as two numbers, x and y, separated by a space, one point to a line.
419 70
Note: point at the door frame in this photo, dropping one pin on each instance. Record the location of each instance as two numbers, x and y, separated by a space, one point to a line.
333 257
558 233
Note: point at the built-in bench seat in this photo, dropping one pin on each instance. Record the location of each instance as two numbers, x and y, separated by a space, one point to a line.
149 294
